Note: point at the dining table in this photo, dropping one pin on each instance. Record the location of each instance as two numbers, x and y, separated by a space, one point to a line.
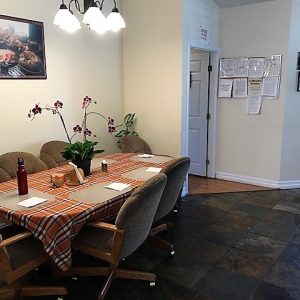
66 209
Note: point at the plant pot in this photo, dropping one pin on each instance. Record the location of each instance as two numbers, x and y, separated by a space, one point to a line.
85 165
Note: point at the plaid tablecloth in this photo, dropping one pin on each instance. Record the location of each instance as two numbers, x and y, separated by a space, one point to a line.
58 221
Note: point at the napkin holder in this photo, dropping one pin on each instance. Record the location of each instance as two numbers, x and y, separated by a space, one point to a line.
72 179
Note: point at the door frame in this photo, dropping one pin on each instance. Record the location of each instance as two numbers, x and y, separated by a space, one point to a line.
213 88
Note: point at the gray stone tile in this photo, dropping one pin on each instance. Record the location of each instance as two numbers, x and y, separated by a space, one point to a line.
250 211
207 251
246 263
286 272
268 291
288 206
278 225
222 234
237 221
221 284
265 199
261 245
295 238
182 270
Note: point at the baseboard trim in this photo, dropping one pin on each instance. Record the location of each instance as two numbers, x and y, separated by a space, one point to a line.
259 181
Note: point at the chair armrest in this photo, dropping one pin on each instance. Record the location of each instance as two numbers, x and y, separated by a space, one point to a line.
14 239
103 225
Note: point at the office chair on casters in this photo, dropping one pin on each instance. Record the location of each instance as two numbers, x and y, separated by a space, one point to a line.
113 242
176 174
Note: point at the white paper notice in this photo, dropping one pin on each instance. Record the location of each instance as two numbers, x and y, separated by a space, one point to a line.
240 88
256 67
254 96
31 201
270 87
225 88
145 155
226 67
117 186
241 67
272 65
153 170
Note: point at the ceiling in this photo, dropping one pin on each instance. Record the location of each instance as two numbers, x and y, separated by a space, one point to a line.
230 3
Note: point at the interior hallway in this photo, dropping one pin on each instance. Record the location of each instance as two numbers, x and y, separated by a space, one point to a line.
202 185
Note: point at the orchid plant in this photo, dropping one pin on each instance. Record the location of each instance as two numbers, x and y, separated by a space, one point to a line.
77 151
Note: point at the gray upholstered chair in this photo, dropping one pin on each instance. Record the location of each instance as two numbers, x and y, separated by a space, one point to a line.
135 144
8 164
50 153
20 253
112 243
176 174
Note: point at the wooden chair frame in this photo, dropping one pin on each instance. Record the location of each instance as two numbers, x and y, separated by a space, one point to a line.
13 277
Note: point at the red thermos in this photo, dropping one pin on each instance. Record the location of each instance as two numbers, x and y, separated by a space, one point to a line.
22 178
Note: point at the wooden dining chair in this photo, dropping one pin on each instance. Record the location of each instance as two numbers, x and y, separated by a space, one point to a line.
176 175
21 253
134 144
114 242
50 153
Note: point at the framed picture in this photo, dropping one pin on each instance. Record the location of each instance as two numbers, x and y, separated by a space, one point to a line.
22 49
298 82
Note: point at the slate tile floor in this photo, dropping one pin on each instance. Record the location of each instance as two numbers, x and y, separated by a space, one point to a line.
230 246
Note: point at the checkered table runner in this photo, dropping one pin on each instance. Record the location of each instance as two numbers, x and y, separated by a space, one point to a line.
58 221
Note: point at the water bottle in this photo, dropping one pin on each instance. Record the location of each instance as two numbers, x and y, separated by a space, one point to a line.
22 178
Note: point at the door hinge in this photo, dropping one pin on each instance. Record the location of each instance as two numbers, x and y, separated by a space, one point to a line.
208 116
190 79
209 68
207 162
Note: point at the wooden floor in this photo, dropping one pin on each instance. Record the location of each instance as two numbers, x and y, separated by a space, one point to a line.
202 185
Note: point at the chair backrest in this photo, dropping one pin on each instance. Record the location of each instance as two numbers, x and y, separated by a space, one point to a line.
50 153
135 144
8 164
176 174
136 214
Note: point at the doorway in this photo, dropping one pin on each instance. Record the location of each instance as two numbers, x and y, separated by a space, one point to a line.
199 112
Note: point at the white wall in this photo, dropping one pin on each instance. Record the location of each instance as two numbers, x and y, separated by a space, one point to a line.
77 65
153 70
197 14
290 163
250 146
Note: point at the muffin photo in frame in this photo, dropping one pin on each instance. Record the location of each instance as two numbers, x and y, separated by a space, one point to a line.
22 49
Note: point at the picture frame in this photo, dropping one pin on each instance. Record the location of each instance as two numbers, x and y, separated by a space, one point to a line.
22 49
298 82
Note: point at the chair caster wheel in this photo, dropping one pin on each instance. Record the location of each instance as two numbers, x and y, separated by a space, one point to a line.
74 278
59 298
171 253
175 211
152 284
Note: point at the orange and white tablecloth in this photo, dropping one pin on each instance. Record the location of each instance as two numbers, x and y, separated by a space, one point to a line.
58 221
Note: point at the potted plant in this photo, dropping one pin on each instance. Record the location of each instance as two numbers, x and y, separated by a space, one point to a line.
126 126
80 153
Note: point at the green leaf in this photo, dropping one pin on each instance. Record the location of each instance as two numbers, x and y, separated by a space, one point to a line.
128 117
134 133
121 133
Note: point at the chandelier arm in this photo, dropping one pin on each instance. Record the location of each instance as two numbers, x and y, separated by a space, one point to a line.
115 4
77 6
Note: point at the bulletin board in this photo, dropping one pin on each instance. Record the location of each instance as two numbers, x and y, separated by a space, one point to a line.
254 78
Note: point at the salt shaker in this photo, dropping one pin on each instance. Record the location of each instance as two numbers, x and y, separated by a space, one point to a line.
104 166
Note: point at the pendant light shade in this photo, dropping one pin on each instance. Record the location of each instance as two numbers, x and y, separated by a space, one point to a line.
62 14
70 24
115 21
93 15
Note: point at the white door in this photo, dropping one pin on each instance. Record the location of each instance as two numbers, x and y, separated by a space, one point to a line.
198 110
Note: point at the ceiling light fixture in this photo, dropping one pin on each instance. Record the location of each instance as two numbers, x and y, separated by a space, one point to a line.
93 17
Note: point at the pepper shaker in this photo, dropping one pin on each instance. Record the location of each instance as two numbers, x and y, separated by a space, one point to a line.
104 166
